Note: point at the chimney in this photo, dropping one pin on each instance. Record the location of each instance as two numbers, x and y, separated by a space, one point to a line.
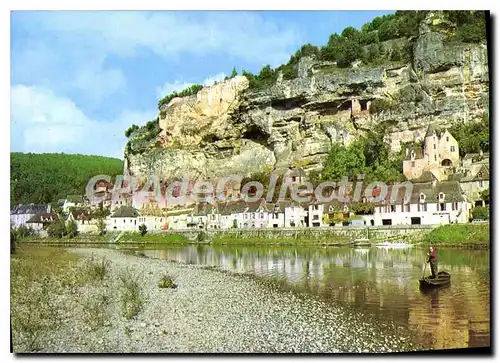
407 151
480 152
49 208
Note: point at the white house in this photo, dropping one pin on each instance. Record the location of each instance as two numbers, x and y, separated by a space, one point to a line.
315 213
296 215
232 214
40 221
72 201
22 213
152 216
124 218
255 215
276 214
431 203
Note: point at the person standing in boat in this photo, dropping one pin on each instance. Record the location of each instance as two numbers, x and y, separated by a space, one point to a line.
432 259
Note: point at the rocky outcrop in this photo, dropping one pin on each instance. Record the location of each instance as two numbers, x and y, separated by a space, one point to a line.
228 128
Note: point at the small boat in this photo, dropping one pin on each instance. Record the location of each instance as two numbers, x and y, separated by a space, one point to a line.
442 279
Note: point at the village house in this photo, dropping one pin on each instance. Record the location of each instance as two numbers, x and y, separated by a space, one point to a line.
296 214
72 201
20 214
40 221
232 213
276 214
255 215
152 216
432 203
473 184
83 220
177 219
439 156
124 218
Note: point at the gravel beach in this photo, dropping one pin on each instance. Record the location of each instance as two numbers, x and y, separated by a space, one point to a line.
209 312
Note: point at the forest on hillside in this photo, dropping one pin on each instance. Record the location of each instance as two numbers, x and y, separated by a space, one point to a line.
46 178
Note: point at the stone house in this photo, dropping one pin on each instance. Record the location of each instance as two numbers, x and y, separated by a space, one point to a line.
40 221
255 215
83 220
439 155
232 213
432 203
72 201
276 214
295 214
124 218
152 216
20 214
473 184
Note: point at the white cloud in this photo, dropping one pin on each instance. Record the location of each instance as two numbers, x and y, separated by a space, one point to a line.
246 35
46 122
177 86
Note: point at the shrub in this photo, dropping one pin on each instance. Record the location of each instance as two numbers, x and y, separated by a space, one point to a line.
143 229
131 300
166 282
130 130
96 270
56 229
381 104
191 90
72 229
480 213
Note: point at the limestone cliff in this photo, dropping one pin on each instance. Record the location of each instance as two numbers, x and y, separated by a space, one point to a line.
228 128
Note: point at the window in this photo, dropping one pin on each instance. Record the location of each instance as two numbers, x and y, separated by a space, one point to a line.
442 206
294 178
408 207
422 197
424 207
262 216
480 183
418 207
435 158
275 215
412 164
393 208
245 216
434 146
452 149
447 139
454 206
315 207
253 216
315 217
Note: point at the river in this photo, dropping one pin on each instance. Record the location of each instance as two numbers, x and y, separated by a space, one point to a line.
377 280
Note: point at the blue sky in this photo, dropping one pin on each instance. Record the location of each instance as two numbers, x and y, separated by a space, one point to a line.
80 79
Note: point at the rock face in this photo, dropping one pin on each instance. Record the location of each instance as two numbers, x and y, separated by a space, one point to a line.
229 129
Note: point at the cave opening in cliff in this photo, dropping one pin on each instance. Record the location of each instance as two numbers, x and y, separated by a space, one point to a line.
255 134
288 103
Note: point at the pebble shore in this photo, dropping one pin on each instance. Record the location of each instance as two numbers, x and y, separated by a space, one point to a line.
212 311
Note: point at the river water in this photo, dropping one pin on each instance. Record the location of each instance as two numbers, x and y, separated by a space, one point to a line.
377 280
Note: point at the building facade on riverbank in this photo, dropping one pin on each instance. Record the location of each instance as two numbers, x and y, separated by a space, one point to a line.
22 213
430 204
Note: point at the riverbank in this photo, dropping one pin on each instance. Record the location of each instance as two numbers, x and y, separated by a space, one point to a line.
99 300
460 235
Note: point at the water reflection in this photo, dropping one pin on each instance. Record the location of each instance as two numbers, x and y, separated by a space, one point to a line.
383 282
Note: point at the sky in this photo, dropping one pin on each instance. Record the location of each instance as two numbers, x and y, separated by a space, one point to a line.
79 79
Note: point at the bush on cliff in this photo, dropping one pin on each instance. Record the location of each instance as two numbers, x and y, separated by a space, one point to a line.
191 90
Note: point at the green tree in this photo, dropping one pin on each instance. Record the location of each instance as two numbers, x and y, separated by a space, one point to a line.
234 73
56 229
101 227
143 229
130 130
72 229
485 195
343 161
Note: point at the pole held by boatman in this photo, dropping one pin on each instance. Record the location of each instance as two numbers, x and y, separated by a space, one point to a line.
432 259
